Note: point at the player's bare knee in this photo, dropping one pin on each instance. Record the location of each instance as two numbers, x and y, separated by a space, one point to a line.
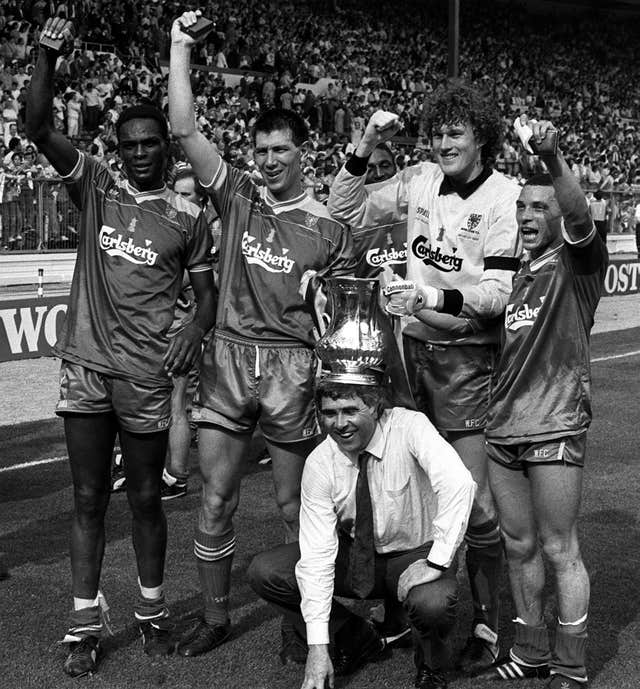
562 551
520 547
483 508
217 509
145 504
90 505
289 505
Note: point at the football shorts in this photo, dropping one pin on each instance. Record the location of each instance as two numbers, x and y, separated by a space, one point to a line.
567 450
243 383
451 384
139 408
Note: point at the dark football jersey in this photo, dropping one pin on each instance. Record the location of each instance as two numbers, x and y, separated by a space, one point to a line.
134 247
542 383
381 249
265 248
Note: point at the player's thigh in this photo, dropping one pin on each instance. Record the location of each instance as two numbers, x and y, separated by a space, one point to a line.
288 462
221 454
512 496
556 490
472 451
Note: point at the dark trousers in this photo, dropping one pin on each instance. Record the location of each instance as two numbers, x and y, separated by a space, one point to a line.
431 608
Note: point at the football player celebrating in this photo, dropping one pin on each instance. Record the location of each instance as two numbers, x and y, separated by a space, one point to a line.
136 239
538 417
259 366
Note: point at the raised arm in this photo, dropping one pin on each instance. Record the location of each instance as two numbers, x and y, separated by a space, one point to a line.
202 154
349 201
578 224
39 118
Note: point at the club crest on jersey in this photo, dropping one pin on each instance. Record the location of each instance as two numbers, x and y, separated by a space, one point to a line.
112 193
521 316
386 257
473 221
255 254
311 221
447 263
116 245
132 225
172 212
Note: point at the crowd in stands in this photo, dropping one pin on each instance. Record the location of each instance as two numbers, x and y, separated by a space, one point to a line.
335 62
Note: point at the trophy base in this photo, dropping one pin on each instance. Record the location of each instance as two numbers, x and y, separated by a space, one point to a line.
346 378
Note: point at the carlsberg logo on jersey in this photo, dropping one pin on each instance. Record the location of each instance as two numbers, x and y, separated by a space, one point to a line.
386 257
129 250
517 317
265 258
447 263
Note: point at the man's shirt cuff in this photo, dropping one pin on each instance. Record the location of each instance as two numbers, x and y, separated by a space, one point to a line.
317 632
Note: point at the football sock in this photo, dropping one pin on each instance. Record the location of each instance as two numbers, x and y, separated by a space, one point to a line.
171 478
484 565
570 650
531 644
214 556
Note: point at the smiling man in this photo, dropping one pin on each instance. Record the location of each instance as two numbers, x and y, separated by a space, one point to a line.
462 251
136 239
259 367
538 418
418 496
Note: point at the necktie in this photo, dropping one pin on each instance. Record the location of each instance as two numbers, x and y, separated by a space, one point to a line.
362 556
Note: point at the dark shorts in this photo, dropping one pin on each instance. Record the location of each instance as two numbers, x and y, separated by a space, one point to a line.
567 450
243 382
451 384
139 408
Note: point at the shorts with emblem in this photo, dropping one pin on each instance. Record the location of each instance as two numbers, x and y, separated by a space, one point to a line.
243 383
451 383
567 450
138 408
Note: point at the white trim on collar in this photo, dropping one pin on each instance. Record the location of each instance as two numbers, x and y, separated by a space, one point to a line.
545 258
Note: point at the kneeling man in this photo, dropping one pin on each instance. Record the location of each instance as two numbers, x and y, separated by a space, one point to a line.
385 505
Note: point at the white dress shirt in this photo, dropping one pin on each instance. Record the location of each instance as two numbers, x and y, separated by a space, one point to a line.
420 492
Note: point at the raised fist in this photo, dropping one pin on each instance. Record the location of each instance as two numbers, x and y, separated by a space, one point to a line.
57 33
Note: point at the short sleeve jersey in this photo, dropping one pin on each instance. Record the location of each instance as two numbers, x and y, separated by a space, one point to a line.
265 248
134 247
542 382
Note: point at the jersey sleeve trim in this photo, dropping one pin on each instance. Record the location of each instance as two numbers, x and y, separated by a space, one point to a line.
502 263
200 268
218 178
581 242
76 172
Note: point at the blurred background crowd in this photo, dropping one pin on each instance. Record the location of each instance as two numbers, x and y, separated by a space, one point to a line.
336 62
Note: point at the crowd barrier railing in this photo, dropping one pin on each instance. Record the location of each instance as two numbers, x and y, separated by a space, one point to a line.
37 215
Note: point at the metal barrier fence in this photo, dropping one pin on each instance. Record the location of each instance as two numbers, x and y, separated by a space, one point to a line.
38 215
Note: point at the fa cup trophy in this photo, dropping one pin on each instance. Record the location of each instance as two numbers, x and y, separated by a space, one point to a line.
352 347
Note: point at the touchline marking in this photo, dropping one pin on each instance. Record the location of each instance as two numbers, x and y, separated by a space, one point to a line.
614 356
28 465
